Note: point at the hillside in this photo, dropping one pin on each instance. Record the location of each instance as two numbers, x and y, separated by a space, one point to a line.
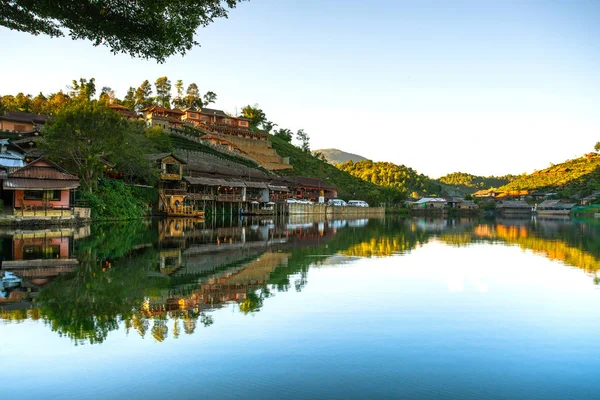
387 174
349 187
336 156
578 176
471 183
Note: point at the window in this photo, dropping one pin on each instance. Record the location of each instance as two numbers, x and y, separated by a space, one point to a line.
193 115
20 128
204 118
53 195
243 123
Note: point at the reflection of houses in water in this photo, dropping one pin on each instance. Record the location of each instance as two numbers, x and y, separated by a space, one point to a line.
37 257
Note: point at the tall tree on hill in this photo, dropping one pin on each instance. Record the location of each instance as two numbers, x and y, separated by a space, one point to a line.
178 101
140 28
86 134
107 95
129 99
20 102
209 98
256 116
163 92
57 102
39 103
192 98
143 95
285 134
304 140
83 90
597 147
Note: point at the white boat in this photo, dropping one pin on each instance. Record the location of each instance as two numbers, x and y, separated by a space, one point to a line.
10 280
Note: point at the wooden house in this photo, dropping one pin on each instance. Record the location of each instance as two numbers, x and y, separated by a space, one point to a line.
40 188
312 189
512 208
163 117
172 189
554 207
429 203
124 112
14 121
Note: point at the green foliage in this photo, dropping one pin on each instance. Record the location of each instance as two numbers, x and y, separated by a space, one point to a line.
87 135
597 147
143 95
349 187
163 92
578 176
472 183
256 116
147 29
304 140
387 174
160 139
114 199
284 134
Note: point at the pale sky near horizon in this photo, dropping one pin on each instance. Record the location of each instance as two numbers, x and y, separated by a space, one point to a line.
485 87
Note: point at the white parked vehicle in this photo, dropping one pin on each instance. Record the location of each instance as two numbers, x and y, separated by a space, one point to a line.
10 280
337 203
291 201
358 203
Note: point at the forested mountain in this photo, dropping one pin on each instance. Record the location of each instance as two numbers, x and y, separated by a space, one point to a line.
577 176
472 183
388 174
336 156
349 186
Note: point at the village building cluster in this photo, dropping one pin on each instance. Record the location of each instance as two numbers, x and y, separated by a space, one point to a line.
189 184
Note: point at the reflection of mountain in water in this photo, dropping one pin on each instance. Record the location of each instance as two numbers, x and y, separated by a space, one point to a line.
165 278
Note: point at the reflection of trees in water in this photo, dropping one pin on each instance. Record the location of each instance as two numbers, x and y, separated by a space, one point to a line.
567 242
99 297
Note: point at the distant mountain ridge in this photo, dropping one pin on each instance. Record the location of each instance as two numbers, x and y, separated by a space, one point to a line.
471 183
336 156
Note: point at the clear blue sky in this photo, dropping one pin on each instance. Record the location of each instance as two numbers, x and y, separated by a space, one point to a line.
475 86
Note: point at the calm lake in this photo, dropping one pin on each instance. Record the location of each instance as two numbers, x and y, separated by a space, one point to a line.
390 308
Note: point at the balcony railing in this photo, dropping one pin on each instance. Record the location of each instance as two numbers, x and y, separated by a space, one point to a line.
229 197
170 177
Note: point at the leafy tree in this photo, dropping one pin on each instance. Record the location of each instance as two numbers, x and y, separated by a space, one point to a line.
141 28
178 101
597 147
83 137
39 103
209 98
304 140
57 102
267 126
163 92
107 95
143 95
256 116
285 134
192 97
83 90
129 100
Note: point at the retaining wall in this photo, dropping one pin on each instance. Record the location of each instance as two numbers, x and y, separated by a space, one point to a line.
335 212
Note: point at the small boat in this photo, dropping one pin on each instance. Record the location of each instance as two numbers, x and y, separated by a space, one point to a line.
10 280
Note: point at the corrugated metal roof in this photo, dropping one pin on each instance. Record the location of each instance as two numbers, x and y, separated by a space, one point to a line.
39 184
279 188
201 180
257 185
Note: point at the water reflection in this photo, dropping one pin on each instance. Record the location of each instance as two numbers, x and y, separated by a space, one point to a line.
166 278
